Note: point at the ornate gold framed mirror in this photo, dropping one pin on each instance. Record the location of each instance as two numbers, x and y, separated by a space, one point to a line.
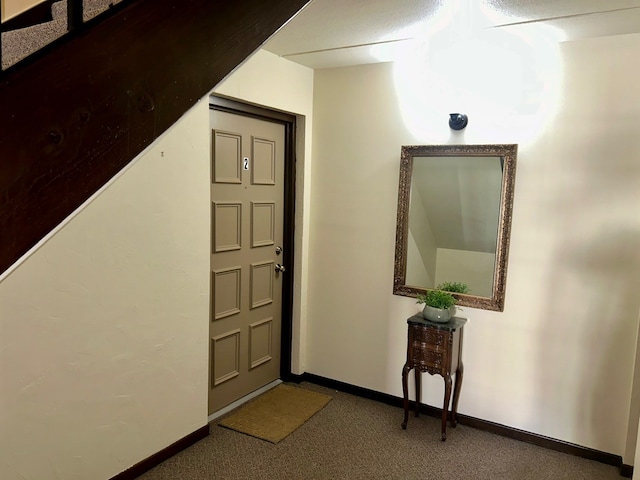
455 205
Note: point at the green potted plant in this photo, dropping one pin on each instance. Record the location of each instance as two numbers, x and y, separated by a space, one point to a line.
453 287
439 304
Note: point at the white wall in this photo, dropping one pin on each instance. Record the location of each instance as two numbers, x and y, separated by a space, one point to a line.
104 327
559 360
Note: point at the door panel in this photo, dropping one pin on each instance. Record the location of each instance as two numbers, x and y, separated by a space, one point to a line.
247 196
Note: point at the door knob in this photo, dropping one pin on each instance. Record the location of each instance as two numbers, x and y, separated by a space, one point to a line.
279 268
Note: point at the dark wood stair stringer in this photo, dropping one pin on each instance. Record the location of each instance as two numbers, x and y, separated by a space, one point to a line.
72 119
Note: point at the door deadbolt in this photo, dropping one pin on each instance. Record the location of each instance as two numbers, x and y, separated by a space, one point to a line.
278 250
279 268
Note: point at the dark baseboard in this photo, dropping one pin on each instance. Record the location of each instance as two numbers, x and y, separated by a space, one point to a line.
164 454
352 389
521 435
294 377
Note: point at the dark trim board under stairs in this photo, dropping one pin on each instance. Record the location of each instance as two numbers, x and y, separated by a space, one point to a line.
74 117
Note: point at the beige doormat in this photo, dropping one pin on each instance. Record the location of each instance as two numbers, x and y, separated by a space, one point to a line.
277 413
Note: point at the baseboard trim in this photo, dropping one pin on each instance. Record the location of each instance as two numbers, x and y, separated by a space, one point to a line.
164 454
503 430
520 435
294 377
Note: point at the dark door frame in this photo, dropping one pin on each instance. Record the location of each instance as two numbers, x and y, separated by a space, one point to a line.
223 104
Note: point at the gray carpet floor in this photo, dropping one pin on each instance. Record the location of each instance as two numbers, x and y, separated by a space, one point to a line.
356 438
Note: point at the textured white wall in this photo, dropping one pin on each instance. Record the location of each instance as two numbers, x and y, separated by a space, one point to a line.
559 360
104 327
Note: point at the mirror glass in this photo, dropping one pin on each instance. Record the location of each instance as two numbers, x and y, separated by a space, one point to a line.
454 219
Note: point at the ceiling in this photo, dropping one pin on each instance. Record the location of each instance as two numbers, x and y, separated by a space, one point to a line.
337 33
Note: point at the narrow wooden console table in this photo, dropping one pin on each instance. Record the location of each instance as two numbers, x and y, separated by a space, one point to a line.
435 348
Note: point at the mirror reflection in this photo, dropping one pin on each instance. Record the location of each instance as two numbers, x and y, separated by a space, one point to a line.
453 222
454 214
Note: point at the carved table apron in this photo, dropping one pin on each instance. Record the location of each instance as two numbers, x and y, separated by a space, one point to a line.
435 348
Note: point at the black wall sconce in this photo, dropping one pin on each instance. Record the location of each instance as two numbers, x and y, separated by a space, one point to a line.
458 121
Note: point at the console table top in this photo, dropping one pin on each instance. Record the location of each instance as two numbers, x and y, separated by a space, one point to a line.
451 325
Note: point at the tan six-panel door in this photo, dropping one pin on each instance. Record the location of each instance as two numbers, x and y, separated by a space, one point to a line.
247 198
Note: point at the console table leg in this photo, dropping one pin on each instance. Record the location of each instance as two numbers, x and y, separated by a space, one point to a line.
456 395
445 407
417 373
405 394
